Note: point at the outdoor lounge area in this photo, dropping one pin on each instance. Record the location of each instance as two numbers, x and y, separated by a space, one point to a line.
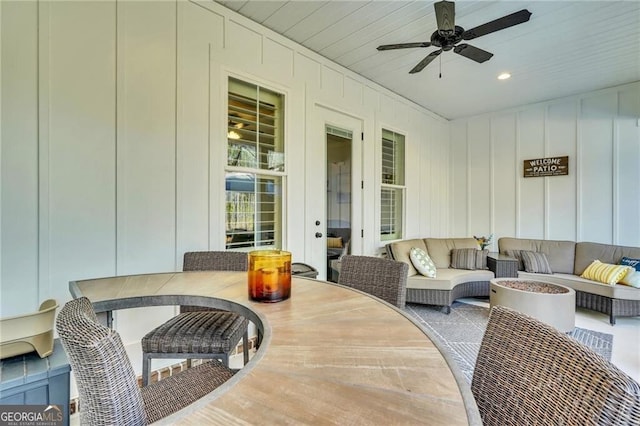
413 165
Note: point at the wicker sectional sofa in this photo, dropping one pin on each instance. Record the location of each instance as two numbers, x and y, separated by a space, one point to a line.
568 260
449 284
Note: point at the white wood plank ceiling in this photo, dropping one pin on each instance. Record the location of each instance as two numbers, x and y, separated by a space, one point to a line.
567 47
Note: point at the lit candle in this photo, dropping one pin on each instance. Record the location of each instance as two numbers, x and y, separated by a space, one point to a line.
270 279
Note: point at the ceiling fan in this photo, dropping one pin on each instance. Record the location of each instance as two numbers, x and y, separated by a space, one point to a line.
448 35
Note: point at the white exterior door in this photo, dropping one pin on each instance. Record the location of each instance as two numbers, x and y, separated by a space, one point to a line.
316 184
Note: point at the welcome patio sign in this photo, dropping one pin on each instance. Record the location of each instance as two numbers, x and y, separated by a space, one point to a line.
552 166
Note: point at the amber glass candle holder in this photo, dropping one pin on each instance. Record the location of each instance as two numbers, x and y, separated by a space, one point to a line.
269 275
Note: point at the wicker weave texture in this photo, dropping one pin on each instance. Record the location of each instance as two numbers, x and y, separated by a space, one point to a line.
107 385
212 261
197 333
612 307
215 261
503 268
108 388
447 297
164 397
383 278
208 332
529 373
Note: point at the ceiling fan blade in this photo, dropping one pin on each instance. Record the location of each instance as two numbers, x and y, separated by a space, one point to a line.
426 61
472 53
445 16
515 18
403 45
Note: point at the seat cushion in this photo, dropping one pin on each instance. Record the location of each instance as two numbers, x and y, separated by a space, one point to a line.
560 254
617 291
587 252
447 279
197 332
401 250
439 249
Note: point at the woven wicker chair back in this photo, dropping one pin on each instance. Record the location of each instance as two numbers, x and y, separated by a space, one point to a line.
529 373
383 278
213 261
109 392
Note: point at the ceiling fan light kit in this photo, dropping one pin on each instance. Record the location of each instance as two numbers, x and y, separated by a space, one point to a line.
448 35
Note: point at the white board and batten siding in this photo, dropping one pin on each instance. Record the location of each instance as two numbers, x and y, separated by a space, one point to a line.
599 200
114 141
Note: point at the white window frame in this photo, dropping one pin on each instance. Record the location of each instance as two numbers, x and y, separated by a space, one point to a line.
399 215
279 225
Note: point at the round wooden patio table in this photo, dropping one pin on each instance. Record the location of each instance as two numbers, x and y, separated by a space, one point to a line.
329 354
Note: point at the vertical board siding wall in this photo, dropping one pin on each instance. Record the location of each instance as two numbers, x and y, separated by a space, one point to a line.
598 201
114 140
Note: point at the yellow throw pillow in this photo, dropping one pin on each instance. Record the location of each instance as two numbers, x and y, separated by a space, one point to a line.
605 273
334 242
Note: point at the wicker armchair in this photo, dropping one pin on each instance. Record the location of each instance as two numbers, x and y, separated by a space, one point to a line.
529 373
197 332
108 388
383 278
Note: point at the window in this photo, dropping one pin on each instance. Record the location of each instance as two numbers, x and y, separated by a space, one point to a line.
392 187
255 166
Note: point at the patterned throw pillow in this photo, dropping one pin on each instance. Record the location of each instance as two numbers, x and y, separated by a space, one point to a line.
516 254
464 258
481 258
605 272
634 263
536 262
422 262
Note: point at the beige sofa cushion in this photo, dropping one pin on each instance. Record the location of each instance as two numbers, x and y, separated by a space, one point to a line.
617 291
439 249
561 254
606 253
447 279
400 251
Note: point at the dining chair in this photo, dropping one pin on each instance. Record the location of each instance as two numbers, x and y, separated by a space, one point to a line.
107 385
529 373
380 277
199 332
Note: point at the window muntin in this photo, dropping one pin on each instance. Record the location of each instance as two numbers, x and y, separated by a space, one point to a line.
253 204
391 213
255 127
255 166
392 185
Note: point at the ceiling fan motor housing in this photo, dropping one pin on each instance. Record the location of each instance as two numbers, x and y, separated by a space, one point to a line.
445 39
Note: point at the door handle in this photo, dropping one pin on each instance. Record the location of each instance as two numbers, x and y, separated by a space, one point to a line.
318 234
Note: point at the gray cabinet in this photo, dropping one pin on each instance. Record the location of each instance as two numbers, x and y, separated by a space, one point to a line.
31 380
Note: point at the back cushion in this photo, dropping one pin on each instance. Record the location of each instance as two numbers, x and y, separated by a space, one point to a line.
561 254
439 249
606 253
400 251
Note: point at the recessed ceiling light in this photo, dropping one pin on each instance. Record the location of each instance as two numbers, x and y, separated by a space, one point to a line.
504 76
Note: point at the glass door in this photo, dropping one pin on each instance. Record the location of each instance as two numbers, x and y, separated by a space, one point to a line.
338 194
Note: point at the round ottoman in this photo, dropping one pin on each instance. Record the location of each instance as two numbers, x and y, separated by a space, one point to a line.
553 304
